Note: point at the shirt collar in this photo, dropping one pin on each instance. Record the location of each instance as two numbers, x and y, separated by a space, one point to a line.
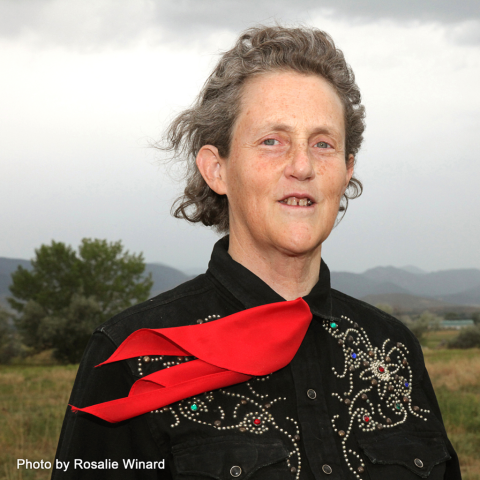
251 291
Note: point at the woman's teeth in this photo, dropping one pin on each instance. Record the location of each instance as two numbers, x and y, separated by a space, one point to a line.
301 202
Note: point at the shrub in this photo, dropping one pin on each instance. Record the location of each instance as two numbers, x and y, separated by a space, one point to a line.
9 342
467 338
419 327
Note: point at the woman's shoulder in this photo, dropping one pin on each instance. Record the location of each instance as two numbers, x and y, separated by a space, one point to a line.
177 307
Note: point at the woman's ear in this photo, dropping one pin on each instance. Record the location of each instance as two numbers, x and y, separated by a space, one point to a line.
212 168
350 165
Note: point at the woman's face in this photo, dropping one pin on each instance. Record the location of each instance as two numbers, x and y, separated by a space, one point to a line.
286 172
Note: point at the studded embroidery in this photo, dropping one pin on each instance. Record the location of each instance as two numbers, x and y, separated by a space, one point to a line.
387 379
251 413
170 363
384 371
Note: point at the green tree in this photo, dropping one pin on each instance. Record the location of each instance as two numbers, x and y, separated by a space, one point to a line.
51 282
69 332
67 294
476 318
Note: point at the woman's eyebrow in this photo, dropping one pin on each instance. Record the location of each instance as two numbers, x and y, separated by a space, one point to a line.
284 127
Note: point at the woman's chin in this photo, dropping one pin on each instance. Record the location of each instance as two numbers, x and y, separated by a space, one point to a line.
298 244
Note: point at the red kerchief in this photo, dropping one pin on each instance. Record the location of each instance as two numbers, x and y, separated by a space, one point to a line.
231 350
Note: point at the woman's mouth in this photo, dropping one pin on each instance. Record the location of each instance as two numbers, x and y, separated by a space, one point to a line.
297 201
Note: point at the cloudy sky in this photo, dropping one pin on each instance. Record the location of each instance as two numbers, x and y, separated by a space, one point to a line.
87 85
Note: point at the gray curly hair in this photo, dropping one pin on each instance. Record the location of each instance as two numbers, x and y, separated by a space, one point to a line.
211 119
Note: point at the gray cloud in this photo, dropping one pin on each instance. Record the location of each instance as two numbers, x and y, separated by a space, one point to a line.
73 162
234 14
93 24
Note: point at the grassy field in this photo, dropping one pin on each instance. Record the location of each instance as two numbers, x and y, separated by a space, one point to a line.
33 399
455 375
32 404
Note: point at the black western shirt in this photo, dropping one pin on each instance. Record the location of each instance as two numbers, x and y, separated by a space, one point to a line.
356 402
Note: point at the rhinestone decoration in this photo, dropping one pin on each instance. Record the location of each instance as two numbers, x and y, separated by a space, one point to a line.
378 388
249 414
253 411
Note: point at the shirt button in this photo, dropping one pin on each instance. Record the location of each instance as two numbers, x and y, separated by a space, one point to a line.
311 394
418 463
327 469
235 471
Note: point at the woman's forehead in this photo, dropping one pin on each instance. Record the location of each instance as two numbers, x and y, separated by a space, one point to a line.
287 101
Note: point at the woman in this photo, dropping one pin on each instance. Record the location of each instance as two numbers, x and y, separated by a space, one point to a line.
252 386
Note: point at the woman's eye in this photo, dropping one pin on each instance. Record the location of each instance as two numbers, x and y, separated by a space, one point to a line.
323 145
270 141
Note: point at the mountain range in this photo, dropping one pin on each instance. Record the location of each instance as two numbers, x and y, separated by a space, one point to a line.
395 285
407 289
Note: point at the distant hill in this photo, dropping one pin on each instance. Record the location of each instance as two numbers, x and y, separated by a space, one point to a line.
406 303
449 287
358 285
413 269
165 278
467 297
408 287
443 282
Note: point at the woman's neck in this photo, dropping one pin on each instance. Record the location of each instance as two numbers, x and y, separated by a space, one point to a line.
291 276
